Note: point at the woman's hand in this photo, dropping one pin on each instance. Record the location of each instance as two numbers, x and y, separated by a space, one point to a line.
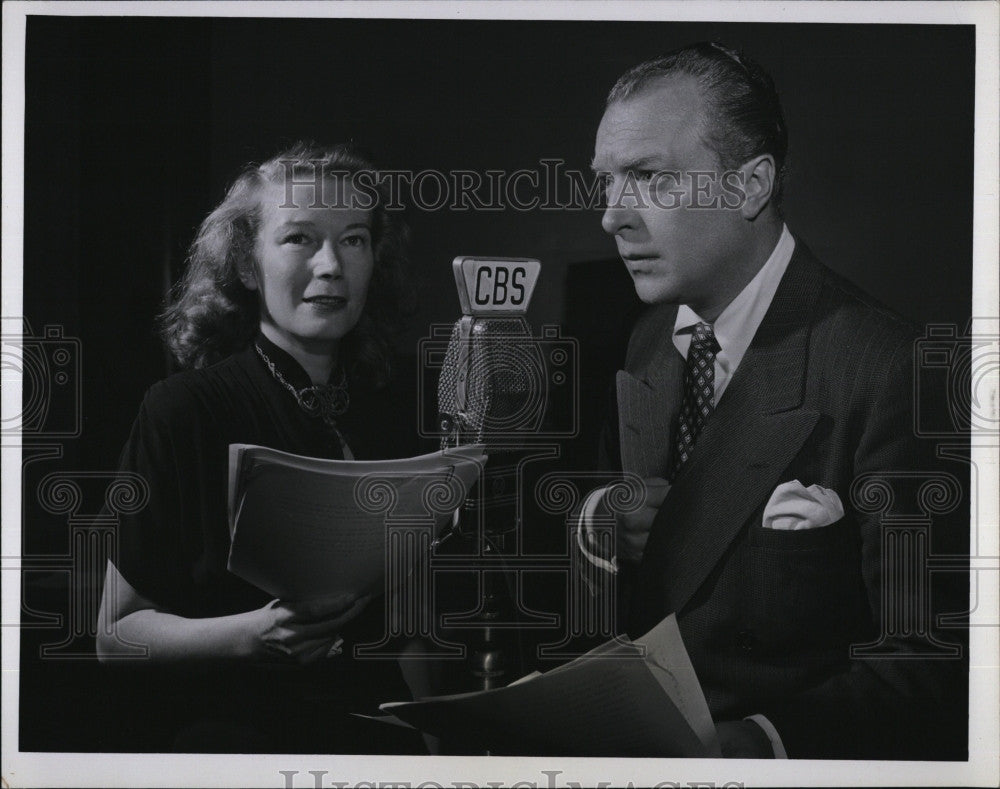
291 632
304 631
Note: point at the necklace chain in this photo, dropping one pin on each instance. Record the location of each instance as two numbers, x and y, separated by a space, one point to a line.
327 401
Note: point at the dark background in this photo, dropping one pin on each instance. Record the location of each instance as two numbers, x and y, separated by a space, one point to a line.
133 128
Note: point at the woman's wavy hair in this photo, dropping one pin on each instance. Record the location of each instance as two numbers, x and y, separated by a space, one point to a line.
212 314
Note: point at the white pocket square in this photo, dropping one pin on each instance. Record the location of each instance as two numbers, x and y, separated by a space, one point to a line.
793 506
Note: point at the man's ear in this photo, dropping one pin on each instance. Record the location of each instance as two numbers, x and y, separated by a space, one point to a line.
247 274
759 181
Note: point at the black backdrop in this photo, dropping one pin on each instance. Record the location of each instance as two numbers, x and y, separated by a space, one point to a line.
134 126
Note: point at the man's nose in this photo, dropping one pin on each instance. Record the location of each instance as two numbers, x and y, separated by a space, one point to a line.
620 212
326 264
618 218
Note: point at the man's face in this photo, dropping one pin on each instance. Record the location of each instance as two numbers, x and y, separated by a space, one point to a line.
669 206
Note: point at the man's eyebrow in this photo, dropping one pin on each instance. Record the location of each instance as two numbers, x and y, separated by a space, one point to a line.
653 161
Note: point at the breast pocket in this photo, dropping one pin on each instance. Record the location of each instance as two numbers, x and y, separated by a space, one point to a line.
815 539
807 583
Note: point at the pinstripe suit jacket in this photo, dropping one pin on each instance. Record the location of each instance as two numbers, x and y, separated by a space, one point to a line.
824 395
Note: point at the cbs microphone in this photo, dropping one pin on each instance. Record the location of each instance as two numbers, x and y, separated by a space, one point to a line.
492 386
492 391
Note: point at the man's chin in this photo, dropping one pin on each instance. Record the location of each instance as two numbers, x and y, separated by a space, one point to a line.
650 292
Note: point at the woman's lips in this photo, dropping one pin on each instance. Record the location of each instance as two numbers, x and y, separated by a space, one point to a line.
326 303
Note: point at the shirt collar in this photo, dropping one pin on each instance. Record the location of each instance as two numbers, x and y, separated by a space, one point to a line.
739 321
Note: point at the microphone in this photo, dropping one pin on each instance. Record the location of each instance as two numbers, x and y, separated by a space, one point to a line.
492 386
492 391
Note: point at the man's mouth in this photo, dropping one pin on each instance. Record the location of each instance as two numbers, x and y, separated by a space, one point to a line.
637 264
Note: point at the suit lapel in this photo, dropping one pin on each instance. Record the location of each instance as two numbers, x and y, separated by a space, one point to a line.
756 430
649 393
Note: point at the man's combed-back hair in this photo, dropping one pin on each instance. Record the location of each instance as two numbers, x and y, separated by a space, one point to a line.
743 116
212 314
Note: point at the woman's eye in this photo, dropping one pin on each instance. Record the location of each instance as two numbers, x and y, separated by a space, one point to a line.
296 239
357 240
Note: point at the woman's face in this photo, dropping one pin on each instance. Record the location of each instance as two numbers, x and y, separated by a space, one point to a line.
313 266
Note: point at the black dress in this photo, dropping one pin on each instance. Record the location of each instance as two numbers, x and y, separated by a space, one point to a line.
174 553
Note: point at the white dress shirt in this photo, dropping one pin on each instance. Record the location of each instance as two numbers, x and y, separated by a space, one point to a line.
739 321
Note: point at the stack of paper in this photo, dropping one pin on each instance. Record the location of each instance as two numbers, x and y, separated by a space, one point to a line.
624 698
307 527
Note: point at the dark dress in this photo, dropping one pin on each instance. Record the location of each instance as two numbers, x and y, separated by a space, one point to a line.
174 553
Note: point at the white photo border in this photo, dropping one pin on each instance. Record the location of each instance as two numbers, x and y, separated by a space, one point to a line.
106 770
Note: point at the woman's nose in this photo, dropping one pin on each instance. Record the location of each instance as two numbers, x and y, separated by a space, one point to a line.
326 264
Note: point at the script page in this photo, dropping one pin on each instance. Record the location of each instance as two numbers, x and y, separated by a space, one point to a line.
303 527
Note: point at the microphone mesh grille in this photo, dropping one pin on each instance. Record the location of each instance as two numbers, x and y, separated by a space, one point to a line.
504 381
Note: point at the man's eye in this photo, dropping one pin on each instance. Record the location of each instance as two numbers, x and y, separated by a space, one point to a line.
642 175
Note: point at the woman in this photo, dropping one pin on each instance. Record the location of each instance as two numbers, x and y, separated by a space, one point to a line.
284 316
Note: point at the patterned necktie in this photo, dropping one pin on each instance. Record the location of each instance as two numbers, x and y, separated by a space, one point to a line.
699 393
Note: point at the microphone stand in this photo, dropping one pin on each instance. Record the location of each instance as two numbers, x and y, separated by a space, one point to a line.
488 393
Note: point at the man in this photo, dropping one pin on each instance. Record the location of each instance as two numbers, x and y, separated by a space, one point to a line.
759 387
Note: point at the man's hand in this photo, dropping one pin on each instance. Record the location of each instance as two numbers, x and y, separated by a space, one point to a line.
633 527
304 631
744 740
